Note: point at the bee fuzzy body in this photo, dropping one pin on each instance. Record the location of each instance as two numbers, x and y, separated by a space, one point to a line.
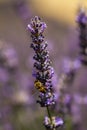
38 85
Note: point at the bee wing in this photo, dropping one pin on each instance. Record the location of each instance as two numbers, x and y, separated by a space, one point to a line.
34 94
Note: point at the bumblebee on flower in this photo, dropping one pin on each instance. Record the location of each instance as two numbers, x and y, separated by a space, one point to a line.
40 86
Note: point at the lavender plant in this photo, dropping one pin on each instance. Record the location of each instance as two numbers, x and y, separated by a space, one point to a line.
65 99
82 23
8 71
43 72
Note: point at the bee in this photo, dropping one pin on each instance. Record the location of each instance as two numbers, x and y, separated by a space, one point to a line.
38 85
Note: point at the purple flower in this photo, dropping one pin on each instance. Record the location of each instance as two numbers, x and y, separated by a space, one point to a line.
36 26
31 28
43 71
46 99
8 58
82 23
81 18
54 123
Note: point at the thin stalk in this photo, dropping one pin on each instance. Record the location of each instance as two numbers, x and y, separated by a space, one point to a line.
49 114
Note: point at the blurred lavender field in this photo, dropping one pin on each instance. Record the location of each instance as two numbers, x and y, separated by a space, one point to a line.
18 108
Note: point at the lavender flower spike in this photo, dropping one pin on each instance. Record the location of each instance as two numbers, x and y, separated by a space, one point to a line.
82 24
43 71
81 18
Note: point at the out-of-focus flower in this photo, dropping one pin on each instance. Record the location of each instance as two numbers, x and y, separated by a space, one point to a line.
64 98
70 68
22 9
9 57
82 23
4 76
71 64
8 70
81 18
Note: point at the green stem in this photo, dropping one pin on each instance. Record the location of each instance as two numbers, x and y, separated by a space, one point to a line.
48 111
49 114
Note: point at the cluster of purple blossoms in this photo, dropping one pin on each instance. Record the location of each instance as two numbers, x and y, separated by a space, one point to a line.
43 71
8 72
46 99
54 123
82 23
67 105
